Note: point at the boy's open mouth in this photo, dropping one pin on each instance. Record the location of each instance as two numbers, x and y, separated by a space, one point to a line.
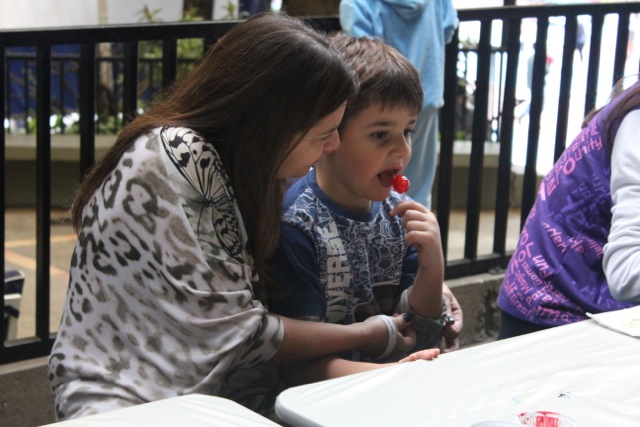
386 177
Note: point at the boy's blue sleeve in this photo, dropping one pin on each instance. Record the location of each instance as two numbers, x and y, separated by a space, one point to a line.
294 267
355 19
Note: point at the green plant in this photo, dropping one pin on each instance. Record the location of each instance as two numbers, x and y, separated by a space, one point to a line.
150 51
188 50
149 15
231 9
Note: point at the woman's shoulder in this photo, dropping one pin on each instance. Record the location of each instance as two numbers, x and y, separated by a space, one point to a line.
193 157
184 140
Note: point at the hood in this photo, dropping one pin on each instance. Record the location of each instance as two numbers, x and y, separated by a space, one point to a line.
407 8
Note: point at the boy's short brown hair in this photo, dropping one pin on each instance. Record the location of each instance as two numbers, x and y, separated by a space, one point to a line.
384 74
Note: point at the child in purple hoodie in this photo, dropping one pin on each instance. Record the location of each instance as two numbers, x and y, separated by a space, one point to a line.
578 250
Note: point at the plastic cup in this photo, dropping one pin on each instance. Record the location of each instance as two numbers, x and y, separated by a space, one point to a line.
546 419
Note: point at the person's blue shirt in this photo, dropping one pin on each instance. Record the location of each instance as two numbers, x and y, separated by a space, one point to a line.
419 29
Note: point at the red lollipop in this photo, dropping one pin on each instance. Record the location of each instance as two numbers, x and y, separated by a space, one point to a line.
401 184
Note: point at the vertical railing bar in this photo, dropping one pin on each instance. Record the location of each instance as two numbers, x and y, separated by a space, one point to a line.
130 81
566 77
43 189
622 41
447 138
506 137
3 102
6 99
169 60
60 62
535 112
26 73
478 139
87 103
591 90
148 67
118 92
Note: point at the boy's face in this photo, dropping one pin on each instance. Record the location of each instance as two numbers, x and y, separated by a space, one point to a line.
375 145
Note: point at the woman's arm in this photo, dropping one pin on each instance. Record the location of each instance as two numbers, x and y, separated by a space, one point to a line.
305 340
621 261
333 367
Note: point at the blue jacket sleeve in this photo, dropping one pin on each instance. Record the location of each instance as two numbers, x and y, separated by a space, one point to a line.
450 20
355 20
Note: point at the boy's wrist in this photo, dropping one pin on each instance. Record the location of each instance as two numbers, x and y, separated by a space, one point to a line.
429 330
443 319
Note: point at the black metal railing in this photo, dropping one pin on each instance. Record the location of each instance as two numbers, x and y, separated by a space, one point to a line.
20 87
486 127
43 42
509 49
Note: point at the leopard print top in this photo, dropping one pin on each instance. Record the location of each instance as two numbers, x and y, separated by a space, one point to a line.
160 300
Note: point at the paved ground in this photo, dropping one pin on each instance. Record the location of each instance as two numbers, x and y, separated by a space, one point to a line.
20 253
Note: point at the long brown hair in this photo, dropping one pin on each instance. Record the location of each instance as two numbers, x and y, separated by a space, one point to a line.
627 100
266 81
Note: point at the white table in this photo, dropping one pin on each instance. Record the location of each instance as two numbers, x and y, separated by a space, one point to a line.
194 410
582 370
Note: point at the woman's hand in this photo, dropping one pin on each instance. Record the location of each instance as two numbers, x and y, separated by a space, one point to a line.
428 354
451 331
376 329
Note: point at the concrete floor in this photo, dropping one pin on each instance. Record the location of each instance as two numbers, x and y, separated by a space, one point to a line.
20 253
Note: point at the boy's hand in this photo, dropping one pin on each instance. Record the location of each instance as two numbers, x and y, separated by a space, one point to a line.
423 232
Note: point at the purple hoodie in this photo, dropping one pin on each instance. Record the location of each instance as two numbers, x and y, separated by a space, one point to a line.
555 275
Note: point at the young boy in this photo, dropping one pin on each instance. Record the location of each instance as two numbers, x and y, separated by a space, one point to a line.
350 247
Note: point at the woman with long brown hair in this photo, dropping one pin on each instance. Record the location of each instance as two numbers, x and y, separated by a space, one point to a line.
176 222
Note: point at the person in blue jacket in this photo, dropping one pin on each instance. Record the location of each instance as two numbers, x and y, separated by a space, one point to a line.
418 29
